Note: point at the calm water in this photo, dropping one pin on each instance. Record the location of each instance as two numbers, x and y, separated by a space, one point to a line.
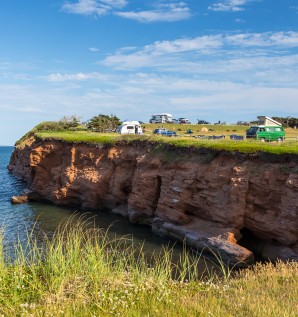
18 220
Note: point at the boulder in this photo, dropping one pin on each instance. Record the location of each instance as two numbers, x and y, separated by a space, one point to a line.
19 199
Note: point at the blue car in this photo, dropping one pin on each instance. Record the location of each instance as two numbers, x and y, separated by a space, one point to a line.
164 132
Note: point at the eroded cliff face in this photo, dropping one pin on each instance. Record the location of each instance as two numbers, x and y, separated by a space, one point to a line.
204 198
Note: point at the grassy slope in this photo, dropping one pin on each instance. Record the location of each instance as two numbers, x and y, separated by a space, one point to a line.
80 273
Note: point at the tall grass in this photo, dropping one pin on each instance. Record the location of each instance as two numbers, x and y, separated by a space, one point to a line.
80 272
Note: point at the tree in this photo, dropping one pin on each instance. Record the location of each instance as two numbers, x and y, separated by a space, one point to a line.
287 121
103 123
69 122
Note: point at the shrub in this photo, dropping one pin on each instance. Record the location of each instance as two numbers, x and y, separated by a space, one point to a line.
103 123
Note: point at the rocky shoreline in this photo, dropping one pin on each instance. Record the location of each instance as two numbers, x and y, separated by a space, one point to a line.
205 198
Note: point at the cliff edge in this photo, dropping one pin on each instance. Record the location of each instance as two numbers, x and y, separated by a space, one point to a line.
206 198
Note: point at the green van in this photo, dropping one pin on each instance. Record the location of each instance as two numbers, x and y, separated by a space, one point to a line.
266 133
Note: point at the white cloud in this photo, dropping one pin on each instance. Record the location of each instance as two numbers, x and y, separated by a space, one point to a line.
185 45
93 49
194 53
58 77
93 7
164 12
152 53
229 5
281 39
174 11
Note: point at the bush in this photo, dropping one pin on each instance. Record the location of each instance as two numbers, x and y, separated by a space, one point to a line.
69 123
103 123
50 126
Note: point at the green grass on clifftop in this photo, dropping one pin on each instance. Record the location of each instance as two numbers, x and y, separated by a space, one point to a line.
245 146
235 146
80 136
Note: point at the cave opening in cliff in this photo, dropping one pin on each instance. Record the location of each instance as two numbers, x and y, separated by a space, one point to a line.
126 188
251 242
32 174
157 191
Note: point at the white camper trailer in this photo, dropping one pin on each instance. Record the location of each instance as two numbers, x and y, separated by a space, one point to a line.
161 118
130 127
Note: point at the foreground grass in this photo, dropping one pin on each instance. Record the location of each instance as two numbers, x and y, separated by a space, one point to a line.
183 141
82 273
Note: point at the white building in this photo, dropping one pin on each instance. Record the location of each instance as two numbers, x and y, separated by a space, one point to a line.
130 127
161 118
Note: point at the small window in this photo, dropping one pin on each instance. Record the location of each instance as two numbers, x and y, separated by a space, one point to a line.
130 127
277 129
262 129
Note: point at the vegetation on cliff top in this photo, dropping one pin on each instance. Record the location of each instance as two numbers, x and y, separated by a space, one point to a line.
79 272
220 145
246 146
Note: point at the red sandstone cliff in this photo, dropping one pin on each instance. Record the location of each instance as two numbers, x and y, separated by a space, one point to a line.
196 196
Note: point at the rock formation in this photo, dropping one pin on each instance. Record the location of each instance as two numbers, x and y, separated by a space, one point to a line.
19 199
203 197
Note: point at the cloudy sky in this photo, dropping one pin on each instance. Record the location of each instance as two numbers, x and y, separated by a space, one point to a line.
225 60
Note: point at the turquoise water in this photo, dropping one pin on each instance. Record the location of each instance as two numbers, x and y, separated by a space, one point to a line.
18 220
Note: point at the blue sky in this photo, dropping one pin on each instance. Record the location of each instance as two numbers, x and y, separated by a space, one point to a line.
225 60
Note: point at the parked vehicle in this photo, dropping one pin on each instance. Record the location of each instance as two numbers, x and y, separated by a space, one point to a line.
266 133
130 127
184 121
159 130
165 132
203 122
161 118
